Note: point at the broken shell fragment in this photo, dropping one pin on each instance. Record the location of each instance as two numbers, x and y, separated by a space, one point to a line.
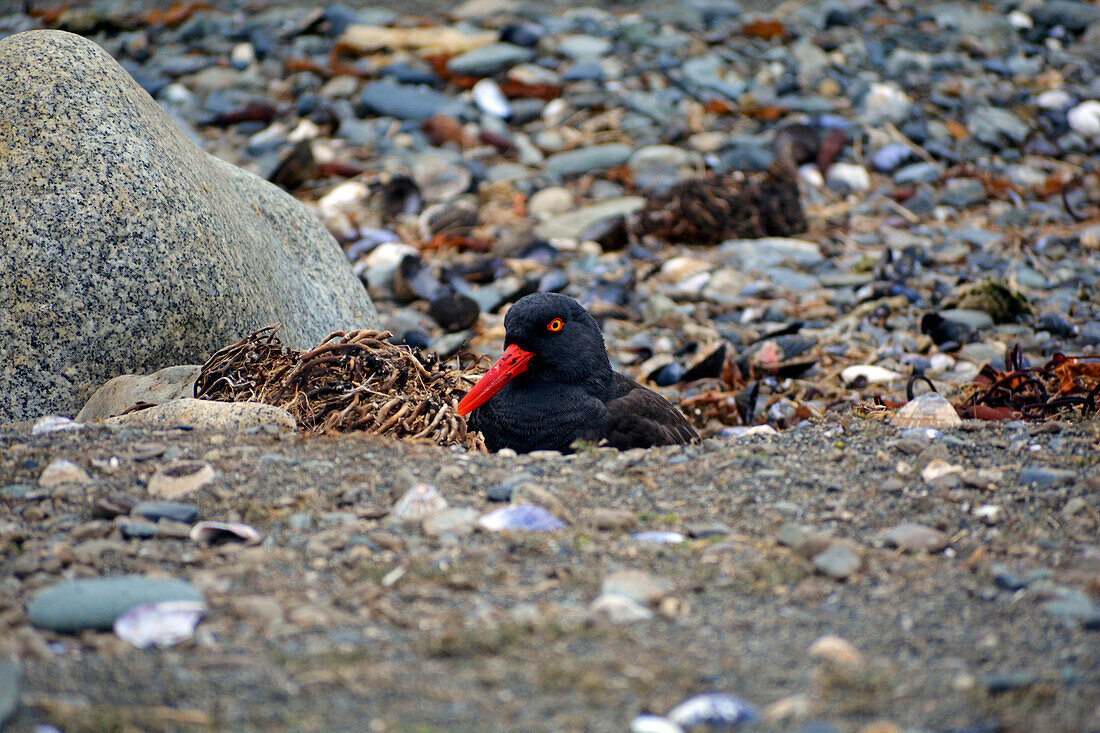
418 502
53 423
658 537
929 410
520 518
216 533
716 709
163 624
174 480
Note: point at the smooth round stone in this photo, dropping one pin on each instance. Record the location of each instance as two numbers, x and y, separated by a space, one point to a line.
837 562
406 102
174 510
550 201
136 529
997 127
918 173
489 60
584 160
11 673
582 46
1040 477
963 192
95 604
889 157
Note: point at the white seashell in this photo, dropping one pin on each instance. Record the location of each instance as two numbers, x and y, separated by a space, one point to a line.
173 480
716 709
654 724
619 609
658 537
215 533
489 99
873 374
163 624
929 410
52 423
418 502
1084 119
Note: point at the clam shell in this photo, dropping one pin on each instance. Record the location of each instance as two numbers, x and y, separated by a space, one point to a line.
163 624
520 518
173 480
716 709
929 410
658 537
53 423
215 533
418 502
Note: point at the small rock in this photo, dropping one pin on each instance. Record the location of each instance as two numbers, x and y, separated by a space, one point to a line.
211 415
643 587
612 519
1040 477
458 522
173 510
62 471
839 561
95 604
11 673
585 160
837 651
911 537
619 609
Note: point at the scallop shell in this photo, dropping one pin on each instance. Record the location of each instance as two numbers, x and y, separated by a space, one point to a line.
520 518
418 502
716 709
930 410
215 533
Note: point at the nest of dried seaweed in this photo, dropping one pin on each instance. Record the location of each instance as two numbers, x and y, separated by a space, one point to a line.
716 208
351 381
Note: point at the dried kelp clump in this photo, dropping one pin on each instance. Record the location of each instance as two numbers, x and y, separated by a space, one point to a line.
351 381
716 208
1064 385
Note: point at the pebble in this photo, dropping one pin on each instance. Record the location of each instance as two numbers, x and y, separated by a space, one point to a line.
11 674
839 561
175 511
61 472
76 605
457 522
1043 478
586 160
912 537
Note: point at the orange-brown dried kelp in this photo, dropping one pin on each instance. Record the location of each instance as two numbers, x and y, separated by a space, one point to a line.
351 381
713 209
1063 384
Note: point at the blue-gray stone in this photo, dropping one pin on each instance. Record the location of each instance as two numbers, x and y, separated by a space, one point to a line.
889 157
963 192
1040 477
136 529
1073 15
584 160
582 46
11 673
489 60
1089 334
918 173
76 605
174 510
406 102
146 232
997 127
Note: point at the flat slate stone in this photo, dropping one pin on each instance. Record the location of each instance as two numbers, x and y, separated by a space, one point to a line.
95 604
126 247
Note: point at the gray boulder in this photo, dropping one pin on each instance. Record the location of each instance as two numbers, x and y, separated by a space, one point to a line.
125 248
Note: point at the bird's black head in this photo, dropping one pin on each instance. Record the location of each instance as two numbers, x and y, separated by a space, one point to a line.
566 342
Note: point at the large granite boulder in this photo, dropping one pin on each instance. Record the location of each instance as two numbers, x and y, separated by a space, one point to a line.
124 248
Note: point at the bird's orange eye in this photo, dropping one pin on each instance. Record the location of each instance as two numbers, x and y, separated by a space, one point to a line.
555 325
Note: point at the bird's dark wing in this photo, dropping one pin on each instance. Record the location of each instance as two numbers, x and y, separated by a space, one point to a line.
641 418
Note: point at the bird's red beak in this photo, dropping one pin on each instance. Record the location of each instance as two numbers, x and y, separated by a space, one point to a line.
512 362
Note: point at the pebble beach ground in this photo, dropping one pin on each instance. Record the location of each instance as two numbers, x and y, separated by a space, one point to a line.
842 573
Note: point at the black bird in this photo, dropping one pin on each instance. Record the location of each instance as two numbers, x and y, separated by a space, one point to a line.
554 385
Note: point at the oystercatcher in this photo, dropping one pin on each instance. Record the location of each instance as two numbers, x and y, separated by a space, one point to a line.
554 385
